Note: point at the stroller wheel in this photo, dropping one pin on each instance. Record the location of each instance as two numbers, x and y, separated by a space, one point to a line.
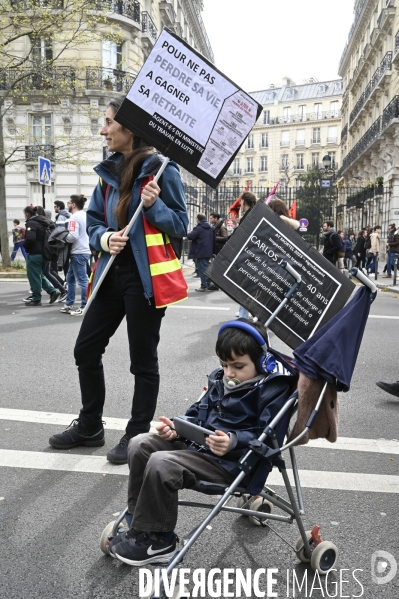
104 541
324 557
241 501
260 505
300 549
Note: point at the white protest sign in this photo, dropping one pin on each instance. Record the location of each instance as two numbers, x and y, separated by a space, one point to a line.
188 109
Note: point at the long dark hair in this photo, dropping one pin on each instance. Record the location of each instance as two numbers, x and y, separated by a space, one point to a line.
129 169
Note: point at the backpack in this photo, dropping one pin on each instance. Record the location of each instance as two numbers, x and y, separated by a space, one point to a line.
48 252
367 243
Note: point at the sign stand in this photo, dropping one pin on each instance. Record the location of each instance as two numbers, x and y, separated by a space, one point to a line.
127 230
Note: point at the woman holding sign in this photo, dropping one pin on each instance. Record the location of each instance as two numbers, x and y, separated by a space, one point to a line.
127 289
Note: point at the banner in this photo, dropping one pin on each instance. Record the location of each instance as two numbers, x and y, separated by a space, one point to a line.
249 270
188 109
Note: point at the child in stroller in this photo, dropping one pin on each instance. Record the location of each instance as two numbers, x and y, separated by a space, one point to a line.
243 396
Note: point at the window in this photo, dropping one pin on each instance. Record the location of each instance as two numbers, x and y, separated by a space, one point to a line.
299 161
266 117
264 140
317 110
334 108
42 51
250 165
332 156
302 112
287 114
315 158
41 129
250 141
263 163
284 160
316 135
332 135
285 138
236 167
112 64
300 137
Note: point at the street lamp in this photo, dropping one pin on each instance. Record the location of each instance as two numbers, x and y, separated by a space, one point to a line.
328 172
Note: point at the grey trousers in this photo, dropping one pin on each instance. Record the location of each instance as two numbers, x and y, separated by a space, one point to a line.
157 470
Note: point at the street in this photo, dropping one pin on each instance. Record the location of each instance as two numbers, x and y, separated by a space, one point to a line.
54 505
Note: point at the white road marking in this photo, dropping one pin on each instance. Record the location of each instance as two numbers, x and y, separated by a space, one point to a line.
384 317
313 479
119 424
178 307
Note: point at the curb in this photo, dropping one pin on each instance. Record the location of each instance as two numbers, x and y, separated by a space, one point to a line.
13 275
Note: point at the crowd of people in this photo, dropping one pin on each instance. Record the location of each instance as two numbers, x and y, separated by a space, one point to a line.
362 250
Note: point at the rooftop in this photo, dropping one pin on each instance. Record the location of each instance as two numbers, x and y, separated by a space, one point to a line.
293 92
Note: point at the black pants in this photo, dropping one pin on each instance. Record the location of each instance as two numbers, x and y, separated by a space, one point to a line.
121 294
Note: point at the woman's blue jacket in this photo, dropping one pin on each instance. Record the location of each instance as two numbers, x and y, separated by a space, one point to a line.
168 213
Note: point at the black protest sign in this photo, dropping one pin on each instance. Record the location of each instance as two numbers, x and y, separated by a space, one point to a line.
249 270
185 107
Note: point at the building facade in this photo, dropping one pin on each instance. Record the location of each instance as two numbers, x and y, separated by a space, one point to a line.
299 124
57 111
369 175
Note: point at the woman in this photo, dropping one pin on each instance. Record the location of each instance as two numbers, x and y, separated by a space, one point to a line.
127 288
279 207
359 250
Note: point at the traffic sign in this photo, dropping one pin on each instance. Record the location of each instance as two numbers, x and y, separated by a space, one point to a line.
304 222
44 170
325 183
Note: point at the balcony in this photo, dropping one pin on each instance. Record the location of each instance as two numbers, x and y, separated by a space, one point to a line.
33 152
299 142
38 78
332 140
316 140
372 134
311 167
263 146
376 80
344 133
386 16
125 8
303 118
149 31
108 79
352 29
284 144
284 167
395 57
167 12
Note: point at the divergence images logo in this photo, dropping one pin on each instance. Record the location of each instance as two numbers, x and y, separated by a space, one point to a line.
383 567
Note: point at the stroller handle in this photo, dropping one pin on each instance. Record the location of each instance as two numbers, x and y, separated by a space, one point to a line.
365 280
292 271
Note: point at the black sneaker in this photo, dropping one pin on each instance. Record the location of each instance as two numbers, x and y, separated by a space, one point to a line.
118 454
54 296
75 435
140 548
392 388
119 538
32 303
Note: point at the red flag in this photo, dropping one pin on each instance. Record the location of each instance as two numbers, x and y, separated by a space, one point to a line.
292 210
271 194
235 207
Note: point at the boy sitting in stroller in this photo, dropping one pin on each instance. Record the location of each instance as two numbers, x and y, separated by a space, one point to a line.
243 396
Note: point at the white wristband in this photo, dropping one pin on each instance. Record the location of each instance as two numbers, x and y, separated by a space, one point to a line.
104 241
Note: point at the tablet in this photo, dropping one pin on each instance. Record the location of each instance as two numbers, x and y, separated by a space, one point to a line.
192 432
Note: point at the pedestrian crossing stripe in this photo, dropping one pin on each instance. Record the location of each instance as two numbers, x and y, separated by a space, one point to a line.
44 175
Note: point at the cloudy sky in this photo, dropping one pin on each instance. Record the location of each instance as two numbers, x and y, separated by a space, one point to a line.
257 42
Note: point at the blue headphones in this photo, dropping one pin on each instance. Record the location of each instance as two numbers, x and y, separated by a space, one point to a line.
267 362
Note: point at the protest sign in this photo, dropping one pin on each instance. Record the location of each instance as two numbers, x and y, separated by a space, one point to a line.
188 109
249 270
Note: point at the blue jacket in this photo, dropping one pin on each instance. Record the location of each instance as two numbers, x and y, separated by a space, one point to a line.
204 240
168 213
246 412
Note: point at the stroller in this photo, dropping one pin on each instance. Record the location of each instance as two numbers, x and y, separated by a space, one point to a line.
254 498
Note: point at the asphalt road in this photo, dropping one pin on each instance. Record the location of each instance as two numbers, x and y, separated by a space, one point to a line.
52 514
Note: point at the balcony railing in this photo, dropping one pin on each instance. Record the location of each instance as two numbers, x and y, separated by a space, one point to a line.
316 140
263 170
332 140
108 79
284 167
166 7
299 142
390 112
396 43
263 146
33 152
284 143
372 84
344 132
302 118
317 166
148 26
126 8
38 78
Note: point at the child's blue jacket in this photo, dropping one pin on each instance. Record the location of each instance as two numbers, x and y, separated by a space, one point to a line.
245 412
168 213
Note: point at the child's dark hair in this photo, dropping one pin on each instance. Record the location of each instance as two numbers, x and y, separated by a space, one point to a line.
240 342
